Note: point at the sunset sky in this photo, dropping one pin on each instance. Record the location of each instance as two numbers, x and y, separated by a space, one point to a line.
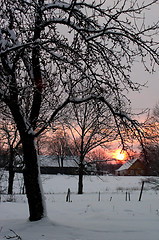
149 96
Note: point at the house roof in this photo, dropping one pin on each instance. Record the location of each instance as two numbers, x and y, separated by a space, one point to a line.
54 161
127 165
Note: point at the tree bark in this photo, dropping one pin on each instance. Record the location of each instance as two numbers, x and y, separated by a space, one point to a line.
32 179
10 181
80 181
31 170
11 172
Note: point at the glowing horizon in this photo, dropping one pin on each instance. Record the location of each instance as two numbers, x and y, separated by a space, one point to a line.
120 155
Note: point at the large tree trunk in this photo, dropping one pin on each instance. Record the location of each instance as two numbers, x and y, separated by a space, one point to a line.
11 172
31 172
32 179
10 181
80 181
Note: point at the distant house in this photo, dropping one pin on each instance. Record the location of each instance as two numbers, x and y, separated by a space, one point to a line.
56 164
63 165
133 167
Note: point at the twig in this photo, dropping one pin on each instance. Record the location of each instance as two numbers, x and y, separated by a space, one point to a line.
16 236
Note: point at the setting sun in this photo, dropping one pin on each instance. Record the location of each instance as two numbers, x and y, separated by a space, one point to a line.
120 155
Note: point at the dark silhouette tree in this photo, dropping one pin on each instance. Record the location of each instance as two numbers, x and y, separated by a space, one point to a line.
9 138
89 126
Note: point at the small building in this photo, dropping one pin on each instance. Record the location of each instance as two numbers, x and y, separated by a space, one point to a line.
63 165
56 164
133 167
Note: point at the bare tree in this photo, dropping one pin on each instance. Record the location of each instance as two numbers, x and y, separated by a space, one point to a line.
58 145
3 156
150 153
8 137
53 54
89 126
10 133
55 144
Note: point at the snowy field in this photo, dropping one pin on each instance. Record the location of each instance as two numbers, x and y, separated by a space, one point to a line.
101 213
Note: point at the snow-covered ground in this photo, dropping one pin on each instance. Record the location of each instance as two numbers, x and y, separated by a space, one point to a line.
85 217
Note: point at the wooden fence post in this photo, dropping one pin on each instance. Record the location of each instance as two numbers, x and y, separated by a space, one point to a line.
142 187
68 197
99 197
126 197
129 196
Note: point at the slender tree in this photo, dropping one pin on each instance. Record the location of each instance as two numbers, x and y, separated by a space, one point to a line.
89 127
60 52
11 137
8 137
